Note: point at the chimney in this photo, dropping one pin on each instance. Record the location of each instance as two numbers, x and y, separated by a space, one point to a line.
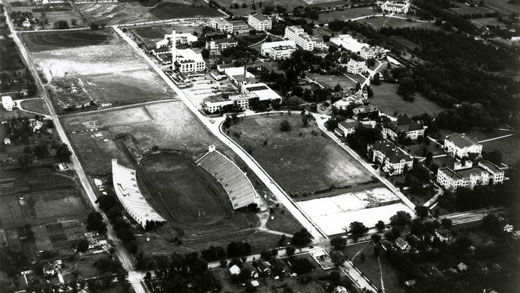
174 49
245 75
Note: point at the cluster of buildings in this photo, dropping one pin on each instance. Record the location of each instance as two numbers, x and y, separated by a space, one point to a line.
255 21
356 67
401 7
302 39
364 50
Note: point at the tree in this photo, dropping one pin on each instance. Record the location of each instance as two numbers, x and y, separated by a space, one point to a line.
82 245
285 126
94 26
401 218
95 223
301 238
446 223
289 250
375 238
205 53
301 265
338 88
237 249
376 80
282 241
380 225
337 258
357 229
305 121
421 211
63 153
338 242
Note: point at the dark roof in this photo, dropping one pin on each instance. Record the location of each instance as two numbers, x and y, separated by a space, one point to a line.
391 151
404 124
349 124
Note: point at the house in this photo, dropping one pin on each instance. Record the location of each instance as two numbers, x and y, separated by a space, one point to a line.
393 160
405 127
264 268
395 7
278 50
221 44
483 174
239 27
410 283
462 267
26 23
7 141
459 145
302 39
365 112
347 127
260 22
367 53
356 67
234 270
7 103
51 269
402 244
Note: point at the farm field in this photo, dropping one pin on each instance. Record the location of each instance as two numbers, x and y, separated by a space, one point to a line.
502 6
102 70
300 160
331 81
379 22
386 98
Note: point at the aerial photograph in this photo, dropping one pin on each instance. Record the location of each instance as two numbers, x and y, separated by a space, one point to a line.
285 146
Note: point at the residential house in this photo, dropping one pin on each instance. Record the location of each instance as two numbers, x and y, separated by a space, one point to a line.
365 112
345 128
367 53
264 268
7 103
459 145
402 244
356 67
392 159
403 126
260 22
278 50
234 270
483 174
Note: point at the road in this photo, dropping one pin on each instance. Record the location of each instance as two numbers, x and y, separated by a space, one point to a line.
120 250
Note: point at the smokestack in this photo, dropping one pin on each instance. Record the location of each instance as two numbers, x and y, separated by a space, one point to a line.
174 49
245 75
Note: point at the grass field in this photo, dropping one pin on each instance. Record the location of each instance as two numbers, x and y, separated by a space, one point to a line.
389 102
185 192
509 146
174 10
502 6
482 22
299 163
346 14
331 81
35 105
55 40
463 9
379 22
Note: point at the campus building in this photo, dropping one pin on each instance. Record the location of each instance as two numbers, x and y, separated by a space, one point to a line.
221 25
392 159
302 39
395 7
484 173
180 38
186 60
403 126
278 50
128 193
260 22
250 93
7 103
356 67
221 44
346 128
459 145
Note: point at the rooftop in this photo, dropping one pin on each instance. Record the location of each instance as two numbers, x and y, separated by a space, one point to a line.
461 140
260 17
393 153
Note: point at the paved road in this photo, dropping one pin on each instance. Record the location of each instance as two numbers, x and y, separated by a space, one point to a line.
120 250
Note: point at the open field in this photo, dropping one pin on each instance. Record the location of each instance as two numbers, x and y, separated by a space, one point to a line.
463 9
184 191
9 56
173 10
379 22
502 6
151 34
370 267
331 81
101 69
482 22
345 14
389 102
300 160
42 41
509 147
35 105
333 214
168 125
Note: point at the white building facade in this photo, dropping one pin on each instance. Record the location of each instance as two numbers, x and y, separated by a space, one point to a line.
260 22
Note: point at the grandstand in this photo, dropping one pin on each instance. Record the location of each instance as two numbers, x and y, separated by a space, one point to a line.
238 187
128 193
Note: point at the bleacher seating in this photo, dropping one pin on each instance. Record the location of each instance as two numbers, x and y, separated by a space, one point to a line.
238 187
128 193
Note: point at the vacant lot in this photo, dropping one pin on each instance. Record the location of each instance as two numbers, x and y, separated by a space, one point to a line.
174 10
184 191
502 6
42 41
168 125
379 22
331 81
300 160
389 102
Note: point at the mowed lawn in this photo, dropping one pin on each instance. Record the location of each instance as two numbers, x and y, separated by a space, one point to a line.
184 191
300 160
174 10
509 147
379 22
388 101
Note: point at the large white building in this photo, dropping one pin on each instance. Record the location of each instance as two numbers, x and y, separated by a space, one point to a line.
395 7
260 22
7 103
128 193
348 42
404 125
461 146
484 173
302 39
278 50
356 67
221 25
182 38
393 160
186 60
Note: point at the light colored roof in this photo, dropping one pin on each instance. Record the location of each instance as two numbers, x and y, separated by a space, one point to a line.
348 42
263 91
125 185
260 17
490 167
238 187
188 55
461 140
269 45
